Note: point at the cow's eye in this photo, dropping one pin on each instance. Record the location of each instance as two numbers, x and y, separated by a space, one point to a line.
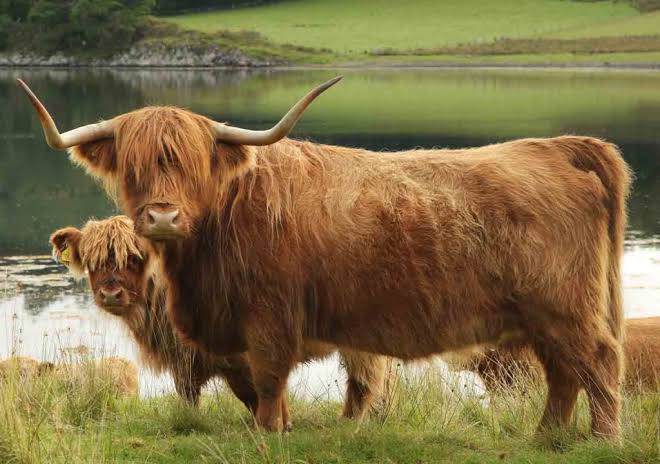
134 262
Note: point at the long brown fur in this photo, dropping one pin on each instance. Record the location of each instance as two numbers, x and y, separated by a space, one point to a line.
104 249
405 254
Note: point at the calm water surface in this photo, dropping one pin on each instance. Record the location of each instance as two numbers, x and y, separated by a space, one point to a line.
46 313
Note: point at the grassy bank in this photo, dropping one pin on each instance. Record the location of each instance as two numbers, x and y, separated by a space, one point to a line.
55 419
540 32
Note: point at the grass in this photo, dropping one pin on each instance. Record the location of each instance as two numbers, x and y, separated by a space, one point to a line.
49 419
363 25
543 32
644 24
159 34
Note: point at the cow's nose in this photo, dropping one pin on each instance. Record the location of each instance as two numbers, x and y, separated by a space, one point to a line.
161 222
111 296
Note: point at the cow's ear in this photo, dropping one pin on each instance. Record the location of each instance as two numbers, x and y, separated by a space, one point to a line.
233 160
66 250
98 158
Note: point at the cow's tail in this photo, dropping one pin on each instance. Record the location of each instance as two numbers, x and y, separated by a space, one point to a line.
604 159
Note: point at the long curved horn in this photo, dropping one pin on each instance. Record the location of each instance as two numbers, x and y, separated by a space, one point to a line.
238 136
84 134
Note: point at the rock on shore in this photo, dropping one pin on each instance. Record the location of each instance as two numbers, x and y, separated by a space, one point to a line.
144 55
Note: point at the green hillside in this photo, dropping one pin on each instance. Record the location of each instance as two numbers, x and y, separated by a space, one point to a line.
362 25
352 30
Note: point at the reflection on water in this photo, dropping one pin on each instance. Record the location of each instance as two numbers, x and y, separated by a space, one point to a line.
44 311
377 109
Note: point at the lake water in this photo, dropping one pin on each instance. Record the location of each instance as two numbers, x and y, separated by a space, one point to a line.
44 313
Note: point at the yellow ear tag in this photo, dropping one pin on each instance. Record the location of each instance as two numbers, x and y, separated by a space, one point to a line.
65 257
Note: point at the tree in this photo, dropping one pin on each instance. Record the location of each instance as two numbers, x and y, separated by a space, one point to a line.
16 10
108 24
49 24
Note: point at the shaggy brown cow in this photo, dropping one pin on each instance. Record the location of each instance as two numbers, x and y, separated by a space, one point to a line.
504 364
123 275
269 241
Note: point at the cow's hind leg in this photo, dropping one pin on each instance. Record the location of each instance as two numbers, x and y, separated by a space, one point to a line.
563 389
366 375
601 375
582 355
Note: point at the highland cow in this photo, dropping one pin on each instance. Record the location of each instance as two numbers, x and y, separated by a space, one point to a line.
267 242
123 273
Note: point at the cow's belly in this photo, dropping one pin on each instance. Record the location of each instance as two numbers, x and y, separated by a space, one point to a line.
401 328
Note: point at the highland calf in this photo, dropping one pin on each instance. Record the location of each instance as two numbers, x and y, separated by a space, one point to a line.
267 242
123 273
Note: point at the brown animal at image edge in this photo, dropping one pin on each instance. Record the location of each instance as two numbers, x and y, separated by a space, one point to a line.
404 254
509 363
123 274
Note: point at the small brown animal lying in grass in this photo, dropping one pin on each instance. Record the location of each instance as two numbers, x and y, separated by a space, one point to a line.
509 362
123 274
121 374
25 367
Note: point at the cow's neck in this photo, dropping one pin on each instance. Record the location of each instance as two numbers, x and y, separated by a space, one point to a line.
199 300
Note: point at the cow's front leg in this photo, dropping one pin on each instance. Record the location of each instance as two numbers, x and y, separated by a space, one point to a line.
270 381
272 348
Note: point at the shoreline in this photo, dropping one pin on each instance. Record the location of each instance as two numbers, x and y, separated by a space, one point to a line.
352 66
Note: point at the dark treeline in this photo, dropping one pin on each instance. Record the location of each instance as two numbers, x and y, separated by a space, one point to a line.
46 26
178 6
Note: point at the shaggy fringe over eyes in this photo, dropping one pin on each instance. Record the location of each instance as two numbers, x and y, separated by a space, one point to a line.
99 238
155 136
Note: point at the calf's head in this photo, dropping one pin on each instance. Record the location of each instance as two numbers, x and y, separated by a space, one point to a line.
117 262
168 166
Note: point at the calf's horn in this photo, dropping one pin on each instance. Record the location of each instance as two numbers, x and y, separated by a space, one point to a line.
84 134
238 136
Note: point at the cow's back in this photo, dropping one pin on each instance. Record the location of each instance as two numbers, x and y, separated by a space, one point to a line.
439 230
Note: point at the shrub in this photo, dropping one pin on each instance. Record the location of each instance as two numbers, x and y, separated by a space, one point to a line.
16 10
6 24
108 24
50 26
